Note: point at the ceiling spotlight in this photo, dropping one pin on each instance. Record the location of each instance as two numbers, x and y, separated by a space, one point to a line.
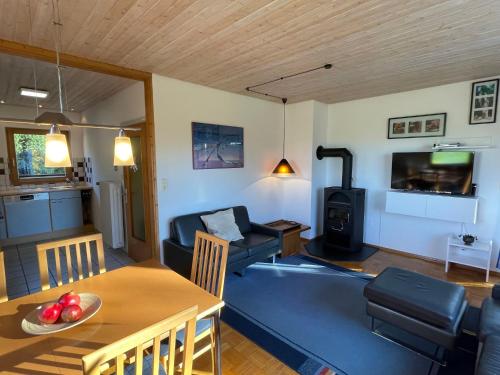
40 106
2 101
42 94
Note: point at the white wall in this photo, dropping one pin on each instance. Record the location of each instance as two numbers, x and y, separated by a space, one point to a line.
361 126
123 108
306 127
176 105
21 112
298 151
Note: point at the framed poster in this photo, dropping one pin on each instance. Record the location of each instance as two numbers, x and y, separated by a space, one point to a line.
433 125
483 103
217 146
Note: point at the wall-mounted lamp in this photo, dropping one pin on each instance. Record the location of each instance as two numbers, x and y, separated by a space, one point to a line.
123 150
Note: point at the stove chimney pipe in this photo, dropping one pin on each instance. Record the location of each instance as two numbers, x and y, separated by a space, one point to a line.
346 156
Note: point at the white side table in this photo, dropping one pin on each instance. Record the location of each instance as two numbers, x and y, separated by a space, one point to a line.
477 255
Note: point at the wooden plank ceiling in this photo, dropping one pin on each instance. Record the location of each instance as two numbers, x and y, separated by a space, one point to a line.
81 89
376 46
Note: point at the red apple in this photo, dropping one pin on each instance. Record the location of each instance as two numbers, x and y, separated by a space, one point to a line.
71 313
69 299
49 312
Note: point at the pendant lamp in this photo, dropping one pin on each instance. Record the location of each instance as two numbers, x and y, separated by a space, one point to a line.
123 150
56 145
284 168
56 149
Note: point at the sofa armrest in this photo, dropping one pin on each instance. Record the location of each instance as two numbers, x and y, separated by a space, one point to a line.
178 257
263 229
495 292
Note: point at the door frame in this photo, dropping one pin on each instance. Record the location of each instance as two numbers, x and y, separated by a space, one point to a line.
131 240
37 53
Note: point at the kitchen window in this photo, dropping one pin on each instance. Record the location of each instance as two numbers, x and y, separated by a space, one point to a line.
26 151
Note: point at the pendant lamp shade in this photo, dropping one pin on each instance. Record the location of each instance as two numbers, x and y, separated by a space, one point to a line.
283 168
123 151
56 149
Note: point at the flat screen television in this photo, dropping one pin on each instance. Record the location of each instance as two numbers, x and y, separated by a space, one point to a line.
447 172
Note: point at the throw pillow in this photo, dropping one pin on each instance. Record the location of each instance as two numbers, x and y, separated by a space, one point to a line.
223 225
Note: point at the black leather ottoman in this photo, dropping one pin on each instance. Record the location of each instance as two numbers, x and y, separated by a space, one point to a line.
424 306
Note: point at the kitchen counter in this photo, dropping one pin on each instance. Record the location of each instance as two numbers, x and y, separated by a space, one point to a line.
46 189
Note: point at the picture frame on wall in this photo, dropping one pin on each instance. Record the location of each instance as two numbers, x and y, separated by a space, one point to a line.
484 101
217 146
420 126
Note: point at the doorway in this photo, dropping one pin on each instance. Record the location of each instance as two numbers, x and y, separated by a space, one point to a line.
136 201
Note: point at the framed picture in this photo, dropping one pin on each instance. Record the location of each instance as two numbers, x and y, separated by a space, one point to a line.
433 125
483 103
217 146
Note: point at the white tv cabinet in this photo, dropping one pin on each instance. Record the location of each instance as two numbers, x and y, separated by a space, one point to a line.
433 206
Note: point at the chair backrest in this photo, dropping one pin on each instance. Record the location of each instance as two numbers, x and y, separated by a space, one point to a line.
3 282
137 342
65 245
209 263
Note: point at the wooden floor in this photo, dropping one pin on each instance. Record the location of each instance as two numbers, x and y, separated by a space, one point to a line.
241 356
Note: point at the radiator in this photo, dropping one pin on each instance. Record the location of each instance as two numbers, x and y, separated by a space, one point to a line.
112 214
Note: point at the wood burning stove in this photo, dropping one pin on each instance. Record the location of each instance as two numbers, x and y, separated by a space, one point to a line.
344 218
344 211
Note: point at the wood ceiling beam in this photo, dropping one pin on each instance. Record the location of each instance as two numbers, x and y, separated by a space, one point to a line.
31 52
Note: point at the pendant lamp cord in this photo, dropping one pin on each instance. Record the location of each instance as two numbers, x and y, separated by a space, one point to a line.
284 100
32 60
57 37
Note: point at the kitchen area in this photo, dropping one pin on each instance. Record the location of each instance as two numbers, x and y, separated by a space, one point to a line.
34 214
66 171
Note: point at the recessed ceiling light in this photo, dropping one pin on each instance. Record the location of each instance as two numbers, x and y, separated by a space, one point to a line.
42 94
2 101
40 106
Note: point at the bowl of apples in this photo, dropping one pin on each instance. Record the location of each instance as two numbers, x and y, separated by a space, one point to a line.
68 311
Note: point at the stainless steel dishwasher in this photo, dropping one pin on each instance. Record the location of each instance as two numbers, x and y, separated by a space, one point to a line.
27 214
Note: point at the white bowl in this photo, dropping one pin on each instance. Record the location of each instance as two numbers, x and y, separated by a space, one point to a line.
90 304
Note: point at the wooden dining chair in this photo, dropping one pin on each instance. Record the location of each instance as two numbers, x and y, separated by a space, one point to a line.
115 355
208 271
3 281
65 246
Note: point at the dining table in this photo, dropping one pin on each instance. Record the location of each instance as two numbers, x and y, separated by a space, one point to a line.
133 297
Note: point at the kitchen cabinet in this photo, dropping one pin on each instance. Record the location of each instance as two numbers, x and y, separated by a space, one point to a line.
27 214
66 209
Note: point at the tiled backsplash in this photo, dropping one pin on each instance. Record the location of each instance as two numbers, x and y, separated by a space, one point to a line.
82 171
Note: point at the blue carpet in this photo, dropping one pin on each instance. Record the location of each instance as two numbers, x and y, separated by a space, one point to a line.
311 315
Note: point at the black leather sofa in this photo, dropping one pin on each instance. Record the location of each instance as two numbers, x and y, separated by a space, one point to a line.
489 335
259 242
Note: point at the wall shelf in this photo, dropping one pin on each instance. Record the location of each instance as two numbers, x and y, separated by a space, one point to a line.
463 147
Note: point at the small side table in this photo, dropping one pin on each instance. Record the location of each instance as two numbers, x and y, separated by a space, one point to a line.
291 235
477 255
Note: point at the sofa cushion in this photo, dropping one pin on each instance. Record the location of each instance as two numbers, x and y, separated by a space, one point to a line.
222 224
490 318
421 297
184 228
241 218
489 362
256 242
